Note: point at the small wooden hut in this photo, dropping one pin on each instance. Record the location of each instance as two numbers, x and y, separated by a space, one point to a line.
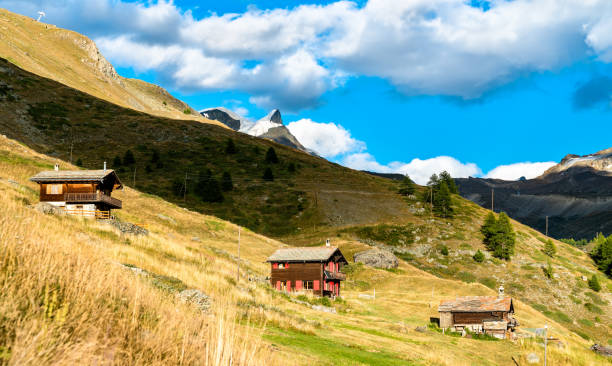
314 269
80 192
491 315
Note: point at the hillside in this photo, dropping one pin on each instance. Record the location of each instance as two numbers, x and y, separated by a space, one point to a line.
576 195
72 292
74 60
307 192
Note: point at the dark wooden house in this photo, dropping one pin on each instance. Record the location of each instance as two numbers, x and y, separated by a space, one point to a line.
314 269
80 192
492 315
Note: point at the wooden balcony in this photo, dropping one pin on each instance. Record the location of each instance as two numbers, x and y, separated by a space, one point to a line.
335 276
92 197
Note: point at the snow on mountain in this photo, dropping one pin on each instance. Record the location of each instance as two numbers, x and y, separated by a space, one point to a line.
270 127
600 161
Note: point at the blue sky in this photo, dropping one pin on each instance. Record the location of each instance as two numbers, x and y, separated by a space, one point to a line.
481 88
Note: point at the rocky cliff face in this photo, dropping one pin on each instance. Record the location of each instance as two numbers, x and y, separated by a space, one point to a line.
576 195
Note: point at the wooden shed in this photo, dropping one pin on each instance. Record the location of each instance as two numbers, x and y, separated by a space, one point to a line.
80 192
492 315
314 269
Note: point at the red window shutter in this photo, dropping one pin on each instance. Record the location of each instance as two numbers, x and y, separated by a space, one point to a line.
286 265
275 265
278 285
337 288
315 285
298 285
288 286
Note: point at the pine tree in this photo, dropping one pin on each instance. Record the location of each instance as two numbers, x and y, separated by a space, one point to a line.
433 180
226 182
479 256
594 284
450 182
79 162
128 158
230 147
549 248
116 162
499 237
208 188
602 253
155 156
268 176
442 201
271 156
406 187
177 187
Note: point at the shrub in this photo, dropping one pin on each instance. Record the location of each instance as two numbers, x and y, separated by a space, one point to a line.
268 176
116 162
128 158
271 157
594 284
187 111
549 248
230 147
593 308
548 271
444 250
79 162
479 256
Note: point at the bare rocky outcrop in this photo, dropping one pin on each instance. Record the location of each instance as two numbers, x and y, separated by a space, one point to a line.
48 209
377 258
602 350
196 297
128 228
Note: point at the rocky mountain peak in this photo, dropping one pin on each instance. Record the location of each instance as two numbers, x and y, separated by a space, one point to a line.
274 116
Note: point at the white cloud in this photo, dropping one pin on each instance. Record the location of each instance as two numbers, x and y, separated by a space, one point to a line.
326 139
418 170
423 46
528 170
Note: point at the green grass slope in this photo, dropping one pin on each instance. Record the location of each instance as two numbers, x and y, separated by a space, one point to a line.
67 299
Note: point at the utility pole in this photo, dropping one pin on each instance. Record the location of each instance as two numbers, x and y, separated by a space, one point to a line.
546 225
492 199
545 341
238 268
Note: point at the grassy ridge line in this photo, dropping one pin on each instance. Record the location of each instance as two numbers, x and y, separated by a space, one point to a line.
74 60
371 328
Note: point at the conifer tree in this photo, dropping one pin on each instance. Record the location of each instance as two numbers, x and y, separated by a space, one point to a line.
479 256
208 188
549 248
499 237
128 158
406 187
594 284
79 162
116 162
442 201
548 271
268 176
271 156
230 147
226 182
450 182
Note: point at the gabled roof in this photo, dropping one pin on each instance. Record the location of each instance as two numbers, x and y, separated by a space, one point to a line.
54 176
304 254
475 304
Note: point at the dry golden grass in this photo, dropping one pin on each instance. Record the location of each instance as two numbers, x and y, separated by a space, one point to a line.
65 299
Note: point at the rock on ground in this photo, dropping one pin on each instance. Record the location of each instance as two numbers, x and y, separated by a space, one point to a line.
128 228
325 309
602 350
48 209
195 297
377 258
533 358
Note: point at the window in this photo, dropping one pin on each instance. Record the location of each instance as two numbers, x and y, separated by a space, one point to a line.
281 265
54 189
308 285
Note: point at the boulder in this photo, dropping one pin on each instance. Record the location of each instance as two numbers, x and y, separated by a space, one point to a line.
196 297
48 209
533 358
602 350
128 228
377 258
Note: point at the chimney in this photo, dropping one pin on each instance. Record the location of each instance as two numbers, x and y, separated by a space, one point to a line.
56 168
500 293
327 243
105 166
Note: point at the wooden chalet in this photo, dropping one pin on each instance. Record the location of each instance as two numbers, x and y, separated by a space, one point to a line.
80 192
491 315
315 269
